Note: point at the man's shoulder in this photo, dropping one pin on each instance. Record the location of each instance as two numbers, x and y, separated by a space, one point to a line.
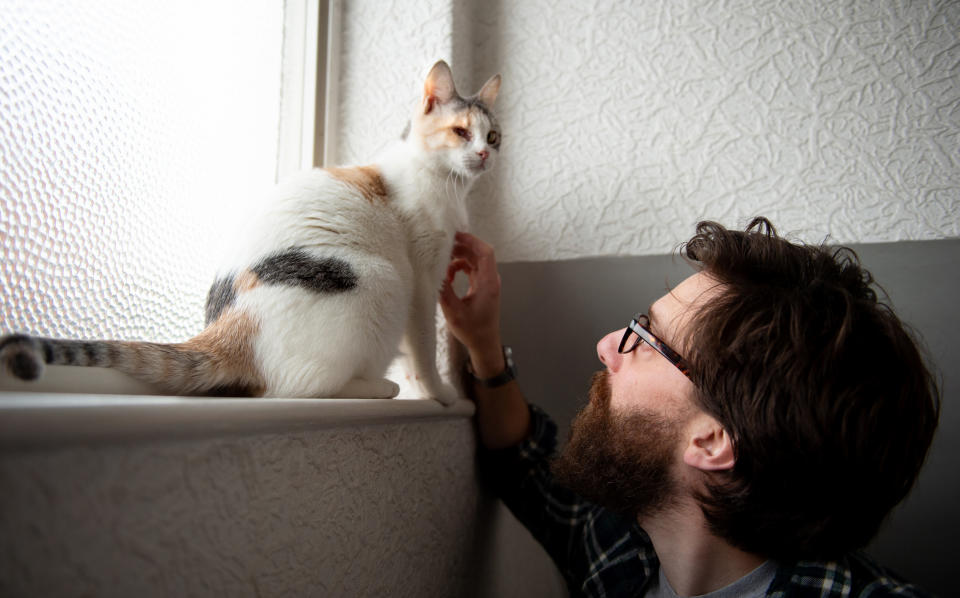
856 575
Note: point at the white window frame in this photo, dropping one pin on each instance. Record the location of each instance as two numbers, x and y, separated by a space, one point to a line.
311 55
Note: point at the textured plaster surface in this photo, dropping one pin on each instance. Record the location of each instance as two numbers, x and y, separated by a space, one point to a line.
387 50
627 121
389 510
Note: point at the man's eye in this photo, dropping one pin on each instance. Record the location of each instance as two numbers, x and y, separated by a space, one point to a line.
462 133
493 137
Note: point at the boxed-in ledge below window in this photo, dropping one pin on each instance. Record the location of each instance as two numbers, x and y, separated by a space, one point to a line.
89 404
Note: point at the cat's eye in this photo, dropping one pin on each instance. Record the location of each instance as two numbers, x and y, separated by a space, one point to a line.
493 137
462 133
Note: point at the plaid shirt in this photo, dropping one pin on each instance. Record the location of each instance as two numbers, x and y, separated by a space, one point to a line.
602 554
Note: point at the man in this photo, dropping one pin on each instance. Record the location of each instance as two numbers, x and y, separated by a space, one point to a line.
747 436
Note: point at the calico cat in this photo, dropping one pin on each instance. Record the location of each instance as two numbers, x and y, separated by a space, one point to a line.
343 265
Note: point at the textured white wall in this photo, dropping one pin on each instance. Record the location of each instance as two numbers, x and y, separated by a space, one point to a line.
387 49
132 136
627 121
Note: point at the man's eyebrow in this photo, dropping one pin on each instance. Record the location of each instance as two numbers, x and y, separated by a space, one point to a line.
654 325
651 316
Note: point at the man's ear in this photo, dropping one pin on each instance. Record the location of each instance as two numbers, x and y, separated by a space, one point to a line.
709 445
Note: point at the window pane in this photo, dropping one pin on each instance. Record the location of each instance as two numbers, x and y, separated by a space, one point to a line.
133 138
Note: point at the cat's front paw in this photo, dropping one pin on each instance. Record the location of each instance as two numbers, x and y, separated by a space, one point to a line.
446 395
443 393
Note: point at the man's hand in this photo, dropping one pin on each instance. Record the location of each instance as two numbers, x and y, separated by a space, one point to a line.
474 319
503 417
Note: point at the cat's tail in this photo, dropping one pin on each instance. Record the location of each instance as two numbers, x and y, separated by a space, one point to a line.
206 364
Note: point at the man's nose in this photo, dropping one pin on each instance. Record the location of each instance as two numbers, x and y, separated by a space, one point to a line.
607 350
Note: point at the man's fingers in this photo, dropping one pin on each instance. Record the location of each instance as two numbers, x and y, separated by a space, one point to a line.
449 302
466 245
476 258
462 251
458 265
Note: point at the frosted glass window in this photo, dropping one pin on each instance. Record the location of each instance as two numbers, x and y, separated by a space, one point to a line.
134 136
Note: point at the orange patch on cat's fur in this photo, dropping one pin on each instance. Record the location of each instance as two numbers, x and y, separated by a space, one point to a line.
246 281
439 132
229 344
366 179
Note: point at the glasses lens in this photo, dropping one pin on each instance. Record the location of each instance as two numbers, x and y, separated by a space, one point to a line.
631 339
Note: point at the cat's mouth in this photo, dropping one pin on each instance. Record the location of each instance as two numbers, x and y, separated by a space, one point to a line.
476 167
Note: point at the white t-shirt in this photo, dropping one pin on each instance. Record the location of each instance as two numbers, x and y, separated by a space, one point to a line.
751 585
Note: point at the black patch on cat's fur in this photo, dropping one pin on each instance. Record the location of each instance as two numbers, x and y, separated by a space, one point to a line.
220 297
47 351
95 352
21 356
406 132
296 267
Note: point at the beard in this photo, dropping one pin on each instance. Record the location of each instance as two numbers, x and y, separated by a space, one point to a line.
621 461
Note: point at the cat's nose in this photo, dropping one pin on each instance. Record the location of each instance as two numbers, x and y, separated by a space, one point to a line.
483 155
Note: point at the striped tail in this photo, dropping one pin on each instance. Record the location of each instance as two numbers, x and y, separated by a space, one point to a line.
207 364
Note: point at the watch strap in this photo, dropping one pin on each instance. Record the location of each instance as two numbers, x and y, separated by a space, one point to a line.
509 372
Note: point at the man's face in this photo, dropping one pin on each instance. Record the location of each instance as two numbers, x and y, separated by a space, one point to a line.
627 443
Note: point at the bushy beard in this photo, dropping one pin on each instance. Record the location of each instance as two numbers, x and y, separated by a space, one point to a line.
621 461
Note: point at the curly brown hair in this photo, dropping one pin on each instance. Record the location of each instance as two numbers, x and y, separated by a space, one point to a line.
829 403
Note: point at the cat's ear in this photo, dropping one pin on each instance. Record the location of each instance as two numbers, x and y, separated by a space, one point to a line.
488 93
439 87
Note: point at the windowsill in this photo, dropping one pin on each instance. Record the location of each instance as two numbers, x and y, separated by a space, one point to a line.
46 417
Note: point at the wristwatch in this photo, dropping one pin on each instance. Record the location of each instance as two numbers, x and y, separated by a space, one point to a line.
509 372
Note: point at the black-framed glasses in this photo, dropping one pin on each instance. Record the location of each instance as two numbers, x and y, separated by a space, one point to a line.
639 330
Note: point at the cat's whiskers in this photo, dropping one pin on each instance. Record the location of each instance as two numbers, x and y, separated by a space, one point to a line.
458 184
451 181
448 188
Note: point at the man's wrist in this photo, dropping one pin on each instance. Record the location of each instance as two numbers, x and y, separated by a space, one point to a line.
504 376
487 362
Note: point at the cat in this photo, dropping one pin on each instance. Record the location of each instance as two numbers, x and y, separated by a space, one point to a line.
342 271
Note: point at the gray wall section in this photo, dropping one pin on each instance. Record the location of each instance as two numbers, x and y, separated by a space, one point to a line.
555 312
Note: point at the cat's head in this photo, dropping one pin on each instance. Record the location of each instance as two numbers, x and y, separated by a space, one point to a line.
455 133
